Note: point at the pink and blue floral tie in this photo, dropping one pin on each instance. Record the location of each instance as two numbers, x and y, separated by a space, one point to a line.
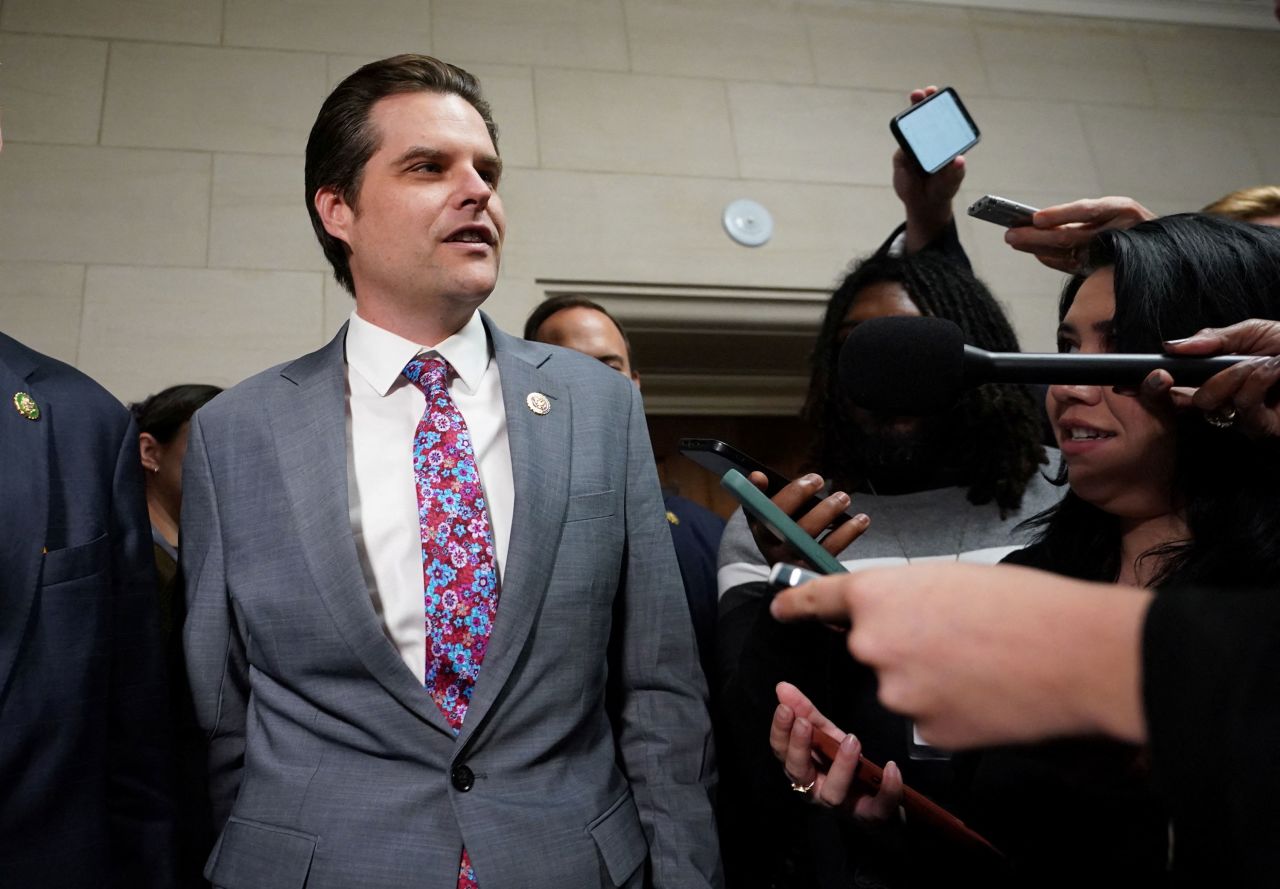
459 577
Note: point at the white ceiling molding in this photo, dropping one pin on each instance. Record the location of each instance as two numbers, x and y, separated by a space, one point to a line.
1259 14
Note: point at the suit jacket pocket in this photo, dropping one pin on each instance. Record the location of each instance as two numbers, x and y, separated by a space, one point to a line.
74 562
620 838
591 506
254 855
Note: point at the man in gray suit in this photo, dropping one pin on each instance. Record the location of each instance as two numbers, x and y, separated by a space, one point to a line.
436 634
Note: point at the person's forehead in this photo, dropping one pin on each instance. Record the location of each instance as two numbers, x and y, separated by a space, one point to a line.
587 321
880 299
423 117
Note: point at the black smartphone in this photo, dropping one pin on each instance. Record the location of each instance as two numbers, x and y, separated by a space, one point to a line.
934 131
716 457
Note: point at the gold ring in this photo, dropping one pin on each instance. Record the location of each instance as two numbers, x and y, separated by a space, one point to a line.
803 788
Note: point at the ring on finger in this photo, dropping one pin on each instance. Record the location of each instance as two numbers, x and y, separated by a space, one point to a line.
1223 418
806 789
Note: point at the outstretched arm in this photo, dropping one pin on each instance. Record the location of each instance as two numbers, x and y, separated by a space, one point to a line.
984 655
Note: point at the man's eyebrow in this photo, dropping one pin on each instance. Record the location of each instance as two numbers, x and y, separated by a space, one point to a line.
418 153
425 153
492 161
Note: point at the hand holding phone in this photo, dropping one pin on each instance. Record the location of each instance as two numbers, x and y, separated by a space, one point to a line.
927 199
756 504
819 518
935 130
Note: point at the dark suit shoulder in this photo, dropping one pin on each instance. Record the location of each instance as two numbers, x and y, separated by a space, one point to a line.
80 398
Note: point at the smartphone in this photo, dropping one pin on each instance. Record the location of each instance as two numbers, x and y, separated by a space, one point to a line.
757 504
717 457
1002 211
934 131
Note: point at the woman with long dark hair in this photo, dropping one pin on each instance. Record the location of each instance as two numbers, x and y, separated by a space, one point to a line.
1157 498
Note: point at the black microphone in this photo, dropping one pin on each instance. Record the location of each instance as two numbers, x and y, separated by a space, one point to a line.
910 366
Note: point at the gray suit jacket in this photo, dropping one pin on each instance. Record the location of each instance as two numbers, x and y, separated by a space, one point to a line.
586 748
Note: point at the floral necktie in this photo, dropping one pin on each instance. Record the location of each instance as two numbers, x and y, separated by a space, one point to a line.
459 577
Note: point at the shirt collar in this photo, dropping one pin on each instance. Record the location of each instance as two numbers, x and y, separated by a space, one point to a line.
379 356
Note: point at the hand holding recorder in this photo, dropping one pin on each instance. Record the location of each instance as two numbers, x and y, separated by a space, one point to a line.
1059 234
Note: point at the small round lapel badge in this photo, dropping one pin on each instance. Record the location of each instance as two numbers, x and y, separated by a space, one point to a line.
538 403
26 405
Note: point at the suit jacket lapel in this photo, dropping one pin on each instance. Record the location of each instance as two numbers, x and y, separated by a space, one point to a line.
24 458
311 443
540 467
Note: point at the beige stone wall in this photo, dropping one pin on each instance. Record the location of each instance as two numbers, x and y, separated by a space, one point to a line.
151 220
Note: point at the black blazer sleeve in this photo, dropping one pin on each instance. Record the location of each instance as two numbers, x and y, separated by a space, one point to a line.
1211 689
946 244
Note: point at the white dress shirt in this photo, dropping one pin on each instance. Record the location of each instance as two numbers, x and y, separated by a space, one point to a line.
383 410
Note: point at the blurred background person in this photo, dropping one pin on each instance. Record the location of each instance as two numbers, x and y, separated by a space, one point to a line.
163 420
1259 205
582 325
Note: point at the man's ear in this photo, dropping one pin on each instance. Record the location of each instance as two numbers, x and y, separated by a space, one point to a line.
335 213
635 378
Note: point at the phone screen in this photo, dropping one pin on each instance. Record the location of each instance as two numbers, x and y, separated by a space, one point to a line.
937 130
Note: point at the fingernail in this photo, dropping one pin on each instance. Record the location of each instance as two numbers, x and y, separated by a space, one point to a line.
840 498
862 518
847 743
810 479
774 608
1176 342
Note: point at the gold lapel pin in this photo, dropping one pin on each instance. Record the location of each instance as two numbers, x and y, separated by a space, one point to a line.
26 405
538 403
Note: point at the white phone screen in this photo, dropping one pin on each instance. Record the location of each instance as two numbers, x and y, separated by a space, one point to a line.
937 131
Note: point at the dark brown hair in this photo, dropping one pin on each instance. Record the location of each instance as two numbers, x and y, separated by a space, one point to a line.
342 139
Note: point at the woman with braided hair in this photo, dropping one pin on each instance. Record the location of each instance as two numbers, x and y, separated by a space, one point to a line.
952 486
989 442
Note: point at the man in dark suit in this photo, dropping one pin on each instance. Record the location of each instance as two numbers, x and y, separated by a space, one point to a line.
432 630
84 738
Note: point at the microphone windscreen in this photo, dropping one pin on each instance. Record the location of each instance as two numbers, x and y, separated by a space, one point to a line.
903 366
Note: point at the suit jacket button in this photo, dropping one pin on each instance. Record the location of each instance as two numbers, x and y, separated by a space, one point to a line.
463 778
